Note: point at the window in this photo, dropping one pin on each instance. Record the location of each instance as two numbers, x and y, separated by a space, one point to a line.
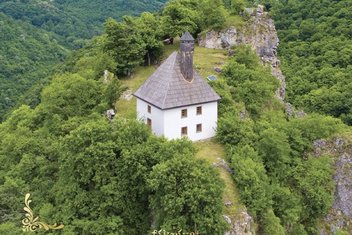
149 109
199 110
183 113
184 131
199 128
149 123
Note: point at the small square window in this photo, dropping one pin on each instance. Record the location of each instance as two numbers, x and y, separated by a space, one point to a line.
183 113
149 123
199 128
199 110
184 131
149 109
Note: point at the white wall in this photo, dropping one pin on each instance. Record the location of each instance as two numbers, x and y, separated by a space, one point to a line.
156 115
173 121
169 122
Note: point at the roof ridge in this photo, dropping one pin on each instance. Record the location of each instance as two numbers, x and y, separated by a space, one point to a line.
166 88
168 84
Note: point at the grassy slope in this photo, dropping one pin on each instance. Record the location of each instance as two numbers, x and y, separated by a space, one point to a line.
205 60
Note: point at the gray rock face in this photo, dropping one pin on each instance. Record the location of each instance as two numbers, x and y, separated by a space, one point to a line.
261 35
241 225
222 163
340 215
343 179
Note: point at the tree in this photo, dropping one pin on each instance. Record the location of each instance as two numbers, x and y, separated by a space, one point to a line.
213 14
149 28
274 148
179 16
187 195
251 179
125 44
71 95
271 224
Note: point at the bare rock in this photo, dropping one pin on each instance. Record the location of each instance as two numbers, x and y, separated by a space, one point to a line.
222 163
340 215
228 203
300 114
227 219
218 70
127 95
110 114
241 225
261 35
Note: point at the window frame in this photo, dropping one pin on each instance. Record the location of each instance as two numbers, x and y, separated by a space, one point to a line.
184 133
199 110
149 123
199 128
184 113
149 109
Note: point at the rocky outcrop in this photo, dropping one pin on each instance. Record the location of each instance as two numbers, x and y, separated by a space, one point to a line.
260 34
340 215
242 225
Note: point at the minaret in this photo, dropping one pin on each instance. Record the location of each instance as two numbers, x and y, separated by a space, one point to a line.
186 56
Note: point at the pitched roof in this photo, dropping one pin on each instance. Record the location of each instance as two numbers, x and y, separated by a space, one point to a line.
167 88
186 36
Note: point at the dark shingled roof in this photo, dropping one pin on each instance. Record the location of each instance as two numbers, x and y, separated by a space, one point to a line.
186 36
167 88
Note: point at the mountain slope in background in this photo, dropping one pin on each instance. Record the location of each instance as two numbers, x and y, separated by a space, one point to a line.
26 55
75 20
37 34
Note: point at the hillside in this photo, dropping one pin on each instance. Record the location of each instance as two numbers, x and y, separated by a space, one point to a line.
36 35
267 171
74 21
27 55
316 54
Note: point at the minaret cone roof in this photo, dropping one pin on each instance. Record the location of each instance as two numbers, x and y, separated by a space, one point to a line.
186 36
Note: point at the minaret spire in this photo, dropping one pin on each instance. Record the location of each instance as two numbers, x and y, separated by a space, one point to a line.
186 56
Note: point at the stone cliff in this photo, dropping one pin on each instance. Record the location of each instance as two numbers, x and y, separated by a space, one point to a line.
340 215
260 34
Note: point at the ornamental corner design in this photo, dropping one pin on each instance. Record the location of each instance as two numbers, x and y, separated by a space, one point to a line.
31 223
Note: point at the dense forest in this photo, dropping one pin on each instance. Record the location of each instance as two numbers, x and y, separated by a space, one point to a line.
114 177
316 54
36 35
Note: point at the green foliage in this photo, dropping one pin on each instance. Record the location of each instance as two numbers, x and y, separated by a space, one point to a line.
271 224
91 174
125 44
187 204
27 55
194 16
232 130
285 188
315 50
74 20
71 95
251 179
36 35
10 228
180 16
250 82
133 41
274 148
313 180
